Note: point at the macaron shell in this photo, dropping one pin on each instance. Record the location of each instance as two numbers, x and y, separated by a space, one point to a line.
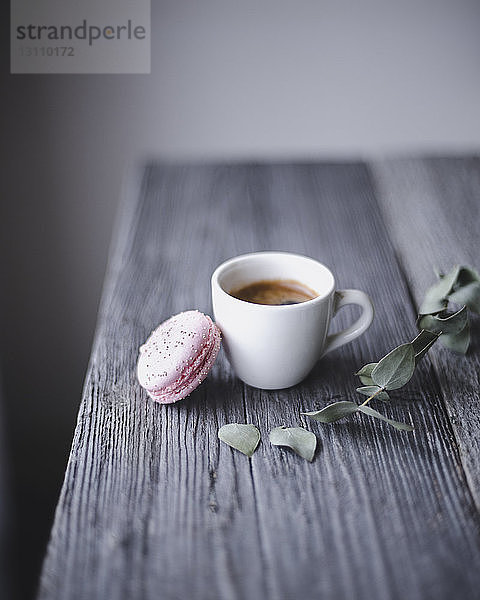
178 355
194 375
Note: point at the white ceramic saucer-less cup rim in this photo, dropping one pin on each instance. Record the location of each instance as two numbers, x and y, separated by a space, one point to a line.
326 290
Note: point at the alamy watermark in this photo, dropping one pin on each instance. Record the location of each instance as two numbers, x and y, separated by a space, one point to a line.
94 36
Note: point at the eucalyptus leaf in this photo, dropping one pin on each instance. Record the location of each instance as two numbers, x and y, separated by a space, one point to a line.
432 303
468 295
423 342
333 412
458 342
241 436
434 300
467 275
451 324
370 390
396 368
444 285
373 413
300 440
366 380
365 373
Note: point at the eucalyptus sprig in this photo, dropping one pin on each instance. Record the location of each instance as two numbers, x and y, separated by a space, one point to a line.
461 286
436 321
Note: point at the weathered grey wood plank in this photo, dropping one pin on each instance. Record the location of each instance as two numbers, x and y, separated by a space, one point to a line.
6 583
432 211
153 506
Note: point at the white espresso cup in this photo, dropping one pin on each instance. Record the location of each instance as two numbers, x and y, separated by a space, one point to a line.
276 346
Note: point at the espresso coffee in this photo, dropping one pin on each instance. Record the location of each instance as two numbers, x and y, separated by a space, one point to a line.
275 292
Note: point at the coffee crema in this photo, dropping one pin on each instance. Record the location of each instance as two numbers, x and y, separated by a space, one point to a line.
275 292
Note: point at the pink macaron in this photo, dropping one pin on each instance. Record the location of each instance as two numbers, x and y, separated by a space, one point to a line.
178 355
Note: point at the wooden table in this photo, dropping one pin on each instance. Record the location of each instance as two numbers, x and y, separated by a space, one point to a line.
154 507
6 533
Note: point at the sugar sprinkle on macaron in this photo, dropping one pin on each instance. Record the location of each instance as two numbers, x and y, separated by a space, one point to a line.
178 355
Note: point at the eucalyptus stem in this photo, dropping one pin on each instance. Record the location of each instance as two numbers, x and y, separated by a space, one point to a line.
372 396
461 286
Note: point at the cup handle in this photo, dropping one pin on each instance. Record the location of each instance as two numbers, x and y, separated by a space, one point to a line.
341 298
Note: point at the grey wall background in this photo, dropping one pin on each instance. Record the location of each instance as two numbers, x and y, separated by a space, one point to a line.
257 79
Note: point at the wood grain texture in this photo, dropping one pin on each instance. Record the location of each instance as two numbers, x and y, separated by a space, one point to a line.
154 506
5 511
432 211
